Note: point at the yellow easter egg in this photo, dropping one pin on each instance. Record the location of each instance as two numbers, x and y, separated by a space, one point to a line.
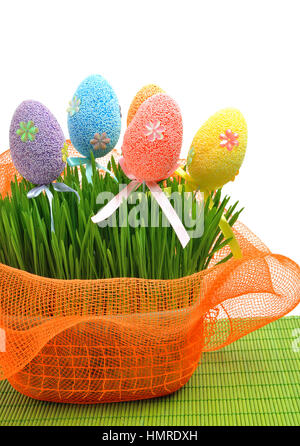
218 149
142 95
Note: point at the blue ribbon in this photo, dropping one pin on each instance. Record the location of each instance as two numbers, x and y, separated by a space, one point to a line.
59 187
76 161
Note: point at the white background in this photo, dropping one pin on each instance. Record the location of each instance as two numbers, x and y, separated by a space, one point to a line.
206 54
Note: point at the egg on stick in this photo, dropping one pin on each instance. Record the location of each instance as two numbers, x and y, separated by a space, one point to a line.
94 121
151 149
215 157
38 149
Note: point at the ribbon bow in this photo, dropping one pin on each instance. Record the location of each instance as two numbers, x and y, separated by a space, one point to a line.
76 161
159 196
59 187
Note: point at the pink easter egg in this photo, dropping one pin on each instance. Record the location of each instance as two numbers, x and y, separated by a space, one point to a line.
153 139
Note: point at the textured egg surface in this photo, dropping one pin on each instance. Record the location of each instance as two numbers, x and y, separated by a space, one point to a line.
142 95
94 117
153 139
218 149
36 143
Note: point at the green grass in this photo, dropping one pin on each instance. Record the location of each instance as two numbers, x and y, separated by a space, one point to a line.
80 249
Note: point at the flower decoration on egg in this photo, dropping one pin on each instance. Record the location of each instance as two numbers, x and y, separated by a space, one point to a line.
27 131
100 141
74 106
229 140
154 130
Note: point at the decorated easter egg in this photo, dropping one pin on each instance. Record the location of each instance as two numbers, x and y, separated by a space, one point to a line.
94 117
218 149
37 143
153 139
142 95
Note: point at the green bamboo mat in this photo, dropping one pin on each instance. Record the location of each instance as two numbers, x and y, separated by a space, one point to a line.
255 381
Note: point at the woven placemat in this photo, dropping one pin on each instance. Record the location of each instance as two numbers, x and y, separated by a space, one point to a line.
255 381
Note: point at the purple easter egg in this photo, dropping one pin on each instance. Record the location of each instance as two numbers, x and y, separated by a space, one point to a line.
36 143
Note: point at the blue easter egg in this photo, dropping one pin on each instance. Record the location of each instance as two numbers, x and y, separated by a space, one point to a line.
94 118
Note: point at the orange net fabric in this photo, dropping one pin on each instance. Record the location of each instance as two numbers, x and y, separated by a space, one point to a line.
91 341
